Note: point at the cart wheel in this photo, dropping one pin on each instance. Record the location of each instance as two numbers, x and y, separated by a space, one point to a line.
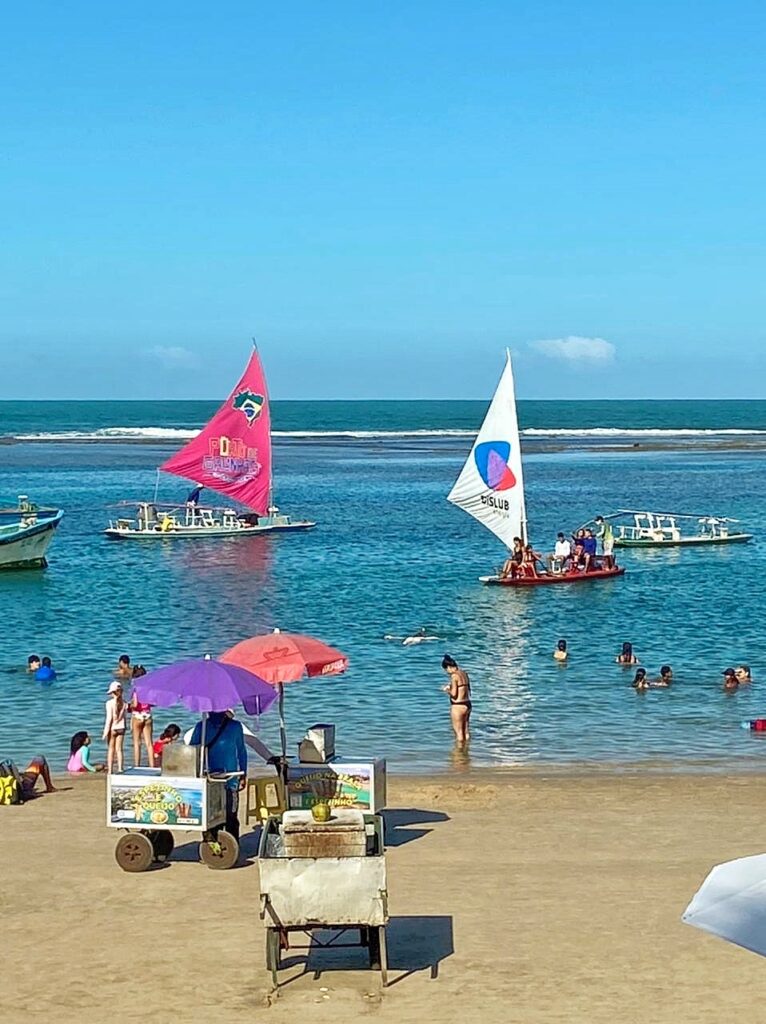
273 953
134 852
220 853
163 844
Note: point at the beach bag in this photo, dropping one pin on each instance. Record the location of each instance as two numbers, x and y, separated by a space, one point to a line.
11 784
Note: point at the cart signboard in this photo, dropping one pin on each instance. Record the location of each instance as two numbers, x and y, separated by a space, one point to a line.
157 801
358 784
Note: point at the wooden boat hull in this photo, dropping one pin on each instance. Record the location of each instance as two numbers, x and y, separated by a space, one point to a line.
685 542
25 547
552 578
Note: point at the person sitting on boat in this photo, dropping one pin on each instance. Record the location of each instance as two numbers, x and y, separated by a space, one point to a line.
577 556
640 682
665 678
561 653
730 682
589 546
626 655
514 560
529 561
605 537
742 672
562 553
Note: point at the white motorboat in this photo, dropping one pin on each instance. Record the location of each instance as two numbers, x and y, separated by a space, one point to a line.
25 533
635 529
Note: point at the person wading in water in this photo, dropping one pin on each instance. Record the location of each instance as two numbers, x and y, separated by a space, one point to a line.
459 690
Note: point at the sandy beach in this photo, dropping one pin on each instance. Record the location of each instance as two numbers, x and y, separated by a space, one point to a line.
513 898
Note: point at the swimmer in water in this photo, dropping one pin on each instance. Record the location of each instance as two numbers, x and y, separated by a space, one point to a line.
730 683
561 653
459 690
640 682
33 663
421 637
626 655
665 677
742 672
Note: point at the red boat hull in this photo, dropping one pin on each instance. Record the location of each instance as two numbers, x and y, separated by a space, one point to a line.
539 581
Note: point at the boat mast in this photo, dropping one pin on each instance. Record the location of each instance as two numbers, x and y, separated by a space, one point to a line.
271 474
524 530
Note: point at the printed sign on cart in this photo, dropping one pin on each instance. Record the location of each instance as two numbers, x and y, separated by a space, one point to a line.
157 802
346 787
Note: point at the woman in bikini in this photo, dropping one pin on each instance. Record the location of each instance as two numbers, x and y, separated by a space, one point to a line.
459 690
114 726
141 722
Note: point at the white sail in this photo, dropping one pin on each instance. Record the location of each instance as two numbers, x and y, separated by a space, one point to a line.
491 486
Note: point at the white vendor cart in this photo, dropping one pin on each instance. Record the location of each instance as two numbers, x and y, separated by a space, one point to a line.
324 880
151 805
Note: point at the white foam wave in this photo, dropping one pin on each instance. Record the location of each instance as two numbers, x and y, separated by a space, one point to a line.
112 433
636 432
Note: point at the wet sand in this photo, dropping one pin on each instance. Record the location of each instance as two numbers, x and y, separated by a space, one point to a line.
522 899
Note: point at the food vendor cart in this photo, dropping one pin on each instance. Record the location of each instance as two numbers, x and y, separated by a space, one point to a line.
151 805
324 877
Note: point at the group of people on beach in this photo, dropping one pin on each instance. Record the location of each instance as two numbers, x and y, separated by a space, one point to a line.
586 551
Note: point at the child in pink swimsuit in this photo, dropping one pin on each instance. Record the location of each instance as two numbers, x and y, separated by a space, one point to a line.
79 760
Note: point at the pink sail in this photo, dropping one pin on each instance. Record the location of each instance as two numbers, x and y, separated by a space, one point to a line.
232 454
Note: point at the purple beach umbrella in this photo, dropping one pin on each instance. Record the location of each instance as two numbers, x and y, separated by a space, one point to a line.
204 685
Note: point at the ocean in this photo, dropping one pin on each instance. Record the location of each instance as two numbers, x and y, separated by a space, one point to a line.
390 555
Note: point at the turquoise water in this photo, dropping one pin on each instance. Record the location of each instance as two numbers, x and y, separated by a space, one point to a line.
388 556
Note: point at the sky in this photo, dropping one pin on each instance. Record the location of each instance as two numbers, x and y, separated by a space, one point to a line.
385 195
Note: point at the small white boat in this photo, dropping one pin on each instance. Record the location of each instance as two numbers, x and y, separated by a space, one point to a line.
666 530
230 455
154 521
25 533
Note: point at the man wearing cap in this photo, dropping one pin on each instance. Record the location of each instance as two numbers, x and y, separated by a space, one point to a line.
226 752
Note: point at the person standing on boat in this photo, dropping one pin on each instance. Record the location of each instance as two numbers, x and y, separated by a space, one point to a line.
605 537
192 501
459 690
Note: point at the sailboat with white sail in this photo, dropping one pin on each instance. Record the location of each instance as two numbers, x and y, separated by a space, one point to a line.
232 456
491 489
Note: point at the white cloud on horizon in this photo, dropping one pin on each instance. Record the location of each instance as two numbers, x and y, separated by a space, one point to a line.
574 349
173 357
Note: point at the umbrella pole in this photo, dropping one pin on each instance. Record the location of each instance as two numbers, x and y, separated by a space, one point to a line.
282 726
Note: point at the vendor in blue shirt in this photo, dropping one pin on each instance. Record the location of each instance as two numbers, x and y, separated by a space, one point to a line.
226 752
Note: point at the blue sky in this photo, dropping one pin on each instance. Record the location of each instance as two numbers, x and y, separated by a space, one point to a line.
385 194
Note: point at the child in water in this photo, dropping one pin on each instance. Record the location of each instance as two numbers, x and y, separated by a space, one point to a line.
79 759
640 682
561 654
169 735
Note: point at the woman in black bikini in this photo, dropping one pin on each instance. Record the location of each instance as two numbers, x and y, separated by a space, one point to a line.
459 690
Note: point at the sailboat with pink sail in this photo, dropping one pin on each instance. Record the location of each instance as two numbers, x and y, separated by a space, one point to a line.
232 456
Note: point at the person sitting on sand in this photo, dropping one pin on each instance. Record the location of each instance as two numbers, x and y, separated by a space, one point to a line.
45 673
665 677
730 683
640 682
79 757
514 560
561 653
459 690
123 670
742 672
168 735
626 655
36 769
33 663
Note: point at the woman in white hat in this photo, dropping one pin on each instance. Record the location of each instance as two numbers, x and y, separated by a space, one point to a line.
114 726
